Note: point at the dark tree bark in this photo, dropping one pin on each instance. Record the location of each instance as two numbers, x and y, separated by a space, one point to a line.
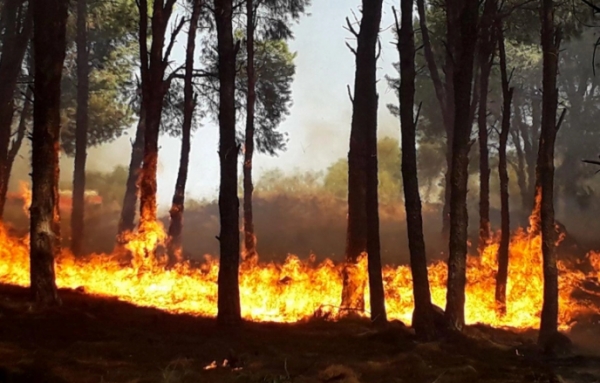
17 20
520 169
445 95
507 93
363 129
83 94
18 140
486 57
550 44
49 44
228 301
376 291
127 219
422 322
154 88
462 23
249 236
177 206
532 147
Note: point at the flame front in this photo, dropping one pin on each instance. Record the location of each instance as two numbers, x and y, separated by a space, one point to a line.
299 289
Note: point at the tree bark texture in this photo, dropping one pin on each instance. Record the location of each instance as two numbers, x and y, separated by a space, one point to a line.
17 20
550 44
422 322
503 250
127 219
520 169
153 91
17 141
49 44
363 127
249 236
228 301
487 42
445 96
462 21
83 94
177 206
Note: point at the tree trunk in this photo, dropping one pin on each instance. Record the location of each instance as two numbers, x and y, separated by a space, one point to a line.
17 141
83 94
360 199
507 93
153 91
550 44
520 169
49 42
533 133
447 187
177 206
423 314
445 97
18 19
376 291
249 236
228 302
486 56
126 222
463 46
127 219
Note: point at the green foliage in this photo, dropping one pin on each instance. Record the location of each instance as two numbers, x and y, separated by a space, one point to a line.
110 185
390 176
275 181
112 34
336 179
577 87
275 71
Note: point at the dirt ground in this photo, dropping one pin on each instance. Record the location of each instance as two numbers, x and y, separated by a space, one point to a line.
91 339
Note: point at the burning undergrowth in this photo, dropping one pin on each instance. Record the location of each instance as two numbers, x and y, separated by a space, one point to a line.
299 289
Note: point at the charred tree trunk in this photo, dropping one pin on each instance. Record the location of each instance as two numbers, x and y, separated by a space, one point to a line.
126 222
363 129
370 33
18 140
447 187
423 314
550 44
463 47
17 19
507 93
486 56
228 302
376 291
153 91
177 206
484 163
83 94
49 44
533 134
127 219
445 97
249 237
520 169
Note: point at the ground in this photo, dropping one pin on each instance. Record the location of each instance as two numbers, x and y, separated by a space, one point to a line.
91 339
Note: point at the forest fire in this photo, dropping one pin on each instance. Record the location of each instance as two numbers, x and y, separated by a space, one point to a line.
300 289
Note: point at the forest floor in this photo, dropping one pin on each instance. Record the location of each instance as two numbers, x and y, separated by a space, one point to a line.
91 339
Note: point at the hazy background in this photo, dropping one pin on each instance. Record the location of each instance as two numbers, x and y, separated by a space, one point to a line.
297 210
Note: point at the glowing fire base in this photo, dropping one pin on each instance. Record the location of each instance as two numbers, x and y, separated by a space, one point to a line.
297 290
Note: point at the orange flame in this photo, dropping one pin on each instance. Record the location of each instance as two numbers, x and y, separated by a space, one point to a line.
25 195
300 289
